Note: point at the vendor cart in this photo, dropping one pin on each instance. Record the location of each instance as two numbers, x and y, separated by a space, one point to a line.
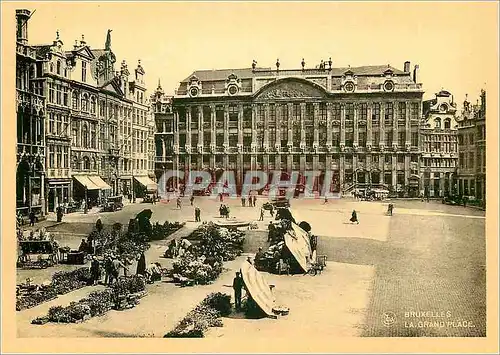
37 254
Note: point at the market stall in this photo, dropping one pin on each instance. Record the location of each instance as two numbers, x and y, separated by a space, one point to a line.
258 288
37 254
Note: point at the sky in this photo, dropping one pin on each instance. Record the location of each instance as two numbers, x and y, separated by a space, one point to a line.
455 44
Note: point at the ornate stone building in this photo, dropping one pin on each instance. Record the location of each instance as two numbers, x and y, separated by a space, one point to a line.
439 146
164 133
472 149
99 127
361 123
31 114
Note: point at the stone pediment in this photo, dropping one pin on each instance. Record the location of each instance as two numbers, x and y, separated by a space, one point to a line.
291 89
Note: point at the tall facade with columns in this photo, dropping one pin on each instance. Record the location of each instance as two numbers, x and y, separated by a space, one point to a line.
439 143
360 123
31 116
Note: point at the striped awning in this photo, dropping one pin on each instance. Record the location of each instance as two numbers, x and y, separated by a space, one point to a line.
86 182
145 181
99 182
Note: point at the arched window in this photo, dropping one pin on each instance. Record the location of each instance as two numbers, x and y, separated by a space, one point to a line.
85 136
74 100
58 67
92 105
86 163
437 123
51 67
447 123
85 103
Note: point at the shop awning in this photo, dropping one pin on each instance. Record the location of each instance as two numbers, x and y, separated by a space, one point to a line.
86 182
99 182
145 181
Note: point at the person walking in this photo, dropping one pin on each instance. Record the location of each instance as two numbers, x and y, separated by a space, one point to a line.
191 199
179 203
354 217
237 287
243 200
261 218
271 228
32 218
197 214
254 200
141 265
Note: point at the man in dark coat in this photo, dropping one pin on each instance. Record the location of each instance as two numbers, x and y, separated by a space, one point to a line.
59 214
237 287
95 271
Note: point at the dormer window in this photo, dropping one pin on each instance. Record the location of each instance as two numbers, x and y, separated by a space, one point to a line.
84 71
437 123
447 123
443 108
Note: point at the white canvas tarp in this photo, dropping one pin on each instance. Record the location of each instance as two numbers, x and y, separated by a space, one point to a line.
258 288
297 241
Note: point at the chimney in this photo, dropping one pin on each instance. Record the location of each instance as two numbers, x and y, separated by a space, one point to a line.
82 42
415 74
407 67
22 17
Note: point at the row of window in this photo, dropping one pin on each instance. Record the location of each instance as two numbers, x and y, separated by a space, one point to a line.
439 163
58 124
58 157
126 165
439 138
466 138
471 160
440 147
233 138
335 158
296 112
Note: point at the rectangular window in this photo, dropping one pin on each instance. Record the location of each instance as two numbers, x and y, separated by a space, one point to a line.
335 139
401 139
58 95
65 97
389 111
362 139
349 111
388 138
51 156
363 111
51 123
376 113
402 110
414 139
376 138
272 116
414 110
336 111
84 71
233 139
401 158
51 92
59 156
349 138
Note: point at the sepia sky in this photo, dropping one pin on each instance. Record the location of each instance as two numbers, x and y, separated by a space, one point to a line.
455 44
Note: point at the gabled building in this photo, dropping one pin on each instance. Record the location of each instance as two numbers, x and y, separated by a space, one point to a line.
472 149
439 145
31 118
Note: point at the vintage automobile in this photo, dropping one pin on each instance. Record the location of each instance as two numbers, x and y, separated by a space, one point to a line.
113 203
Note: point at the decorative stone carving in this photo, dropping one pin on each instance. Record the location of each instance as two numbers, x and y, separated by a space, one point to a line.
292 89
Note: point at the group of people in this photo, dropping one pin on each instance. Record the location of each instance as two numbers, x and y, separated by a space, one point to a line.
224 211
178 248
114 267
252 200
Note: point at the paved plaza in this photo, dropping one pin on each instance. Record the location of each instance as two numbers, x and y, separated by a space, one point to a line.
420 272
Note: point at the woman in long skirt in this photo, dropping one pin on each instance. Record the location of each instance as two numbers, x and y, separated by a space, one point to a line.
354 217
141 265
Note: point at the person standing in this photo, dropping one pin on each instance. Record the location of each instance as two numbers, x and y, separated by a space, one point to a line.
191 199
95 271
237 287
197 214
179 203
326 200
354 217
32 218
261 218
117 265
254 200
98 225
271 228
243 201
59 214
141 265
108 269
